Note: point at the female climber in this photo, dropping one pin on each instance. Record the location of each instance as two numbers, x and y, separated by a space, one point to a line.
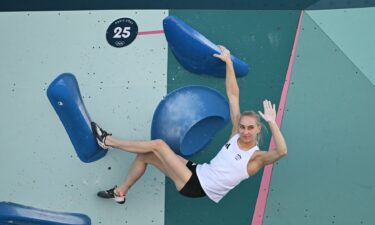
237 160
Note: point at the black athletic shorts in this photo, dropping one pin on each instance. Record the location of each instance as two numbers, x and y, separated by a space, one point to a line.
192 188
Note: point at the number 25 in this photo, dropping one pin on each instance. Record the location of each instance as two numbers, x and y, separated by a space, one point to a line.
121 33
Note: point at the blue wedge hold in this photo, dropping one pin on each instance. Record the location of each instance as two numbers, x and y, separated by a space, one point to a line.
65 97
188 118
13 213
195 52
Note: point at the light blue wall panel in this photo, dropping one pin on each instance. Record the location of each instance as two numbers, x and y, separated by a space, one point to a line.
120 87
353 32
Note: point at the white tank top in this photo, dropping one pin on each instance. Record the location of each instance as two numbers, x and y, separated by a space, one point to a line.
226 170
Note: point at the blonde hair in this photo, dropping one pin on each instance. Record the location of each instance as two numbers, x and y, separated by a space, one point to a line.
257 118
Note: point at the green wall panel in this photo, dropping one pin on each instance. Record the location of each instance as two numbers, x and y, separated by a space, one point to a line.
327 177
352 31
263 39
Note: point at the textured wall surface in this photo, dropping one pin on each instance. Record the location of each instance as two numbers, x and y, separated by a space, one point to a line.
328 122
264 40
120 88
328 117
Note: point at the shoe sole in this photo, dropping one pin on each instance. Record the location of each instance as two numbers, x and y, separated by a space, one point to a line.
120 200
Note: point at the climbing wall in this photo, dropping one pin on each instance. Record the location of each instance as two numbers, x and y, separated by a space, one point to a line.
328 124
266 46
120 88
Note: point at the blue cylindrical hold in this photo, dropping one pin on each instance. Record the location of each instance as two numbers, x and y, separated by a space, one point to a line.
195 52
188 118
13 213
65 97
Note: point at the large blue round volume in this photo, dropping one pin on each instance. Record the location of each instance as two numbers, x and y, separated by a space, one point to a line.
188 118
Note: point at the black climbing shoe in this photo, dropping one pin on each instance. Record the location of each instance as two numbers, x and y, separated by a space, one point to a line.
111 194
100 135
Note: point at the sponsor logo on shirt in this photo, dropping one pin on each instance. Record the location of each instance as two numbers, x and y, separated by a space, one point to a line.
227 145
238 157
